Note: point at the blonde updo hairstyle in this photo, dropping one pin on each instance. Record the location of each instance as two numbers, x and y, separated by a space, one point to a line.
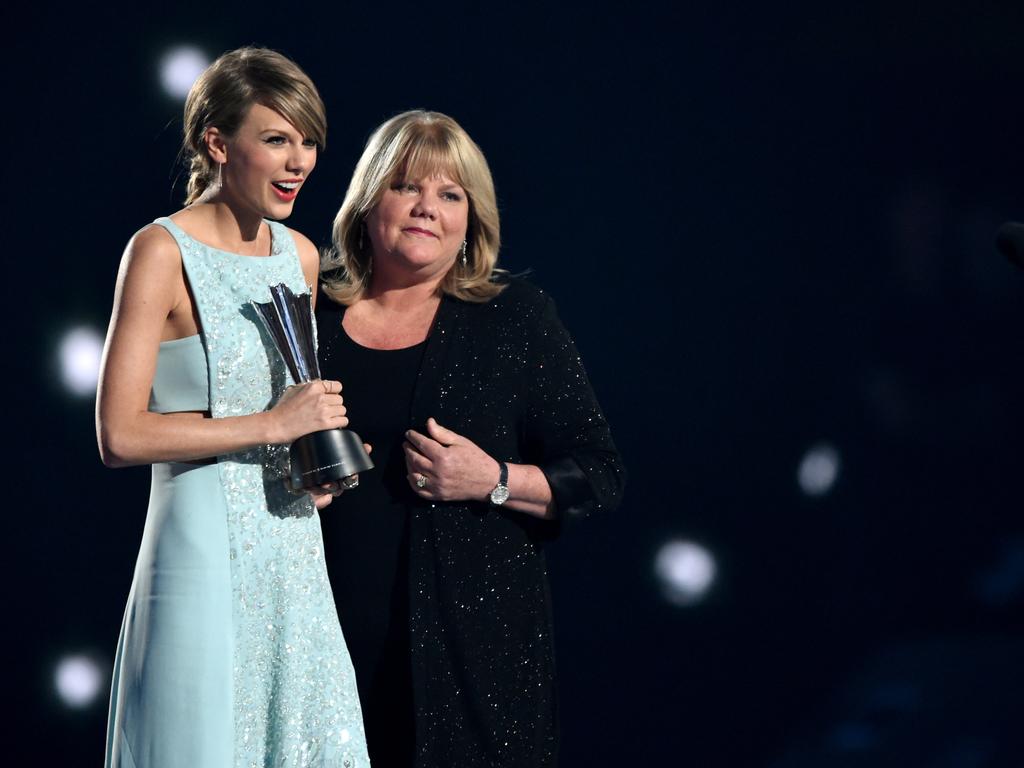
227 89
414 145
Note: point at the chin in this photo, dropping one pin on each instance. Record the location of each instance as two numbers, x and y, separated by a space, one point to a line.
428 265
422 258
279 211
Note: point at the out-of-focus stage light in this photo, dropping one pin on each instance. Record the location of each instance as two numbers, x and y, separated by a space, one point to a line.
179 68
80 353
819 469
78 680
686 571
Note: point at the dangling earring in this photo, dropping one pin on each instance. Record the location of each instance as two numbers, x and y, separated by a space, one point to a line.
220 175
361 228
463 254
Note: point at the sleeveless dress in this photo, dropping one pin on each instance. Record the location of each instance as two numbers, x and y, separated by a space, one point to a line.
231 653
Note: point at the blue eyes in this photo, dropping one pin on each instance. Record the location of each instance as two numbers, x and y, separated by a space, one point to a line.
279 141
403 186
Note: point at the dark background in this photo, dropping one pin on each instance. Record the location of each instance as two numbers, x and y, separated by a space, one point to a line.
766 228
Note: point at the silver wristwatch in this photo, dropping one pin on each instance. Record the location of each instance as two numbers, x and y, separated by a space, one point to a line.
500 493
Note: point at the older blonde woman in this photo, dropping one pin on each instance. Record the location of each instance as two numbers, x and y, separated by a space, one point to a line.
487 438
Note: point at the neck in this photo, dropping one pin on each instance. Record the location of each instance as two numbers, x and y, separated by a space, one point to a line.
231 224
403 295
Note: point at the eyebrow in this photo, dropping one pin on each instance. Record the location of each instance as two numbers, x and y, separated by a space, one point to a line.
281 130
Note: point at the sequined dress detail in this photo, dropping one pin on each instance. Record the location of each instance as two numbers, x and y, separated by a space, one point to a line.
467 600
231 653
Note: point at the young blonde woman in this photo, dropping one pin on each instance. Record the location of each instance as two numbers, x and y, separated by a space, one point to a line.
230 653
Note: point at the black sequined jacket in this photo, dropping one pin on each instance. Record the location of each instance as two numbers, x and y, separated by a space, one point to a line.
507 375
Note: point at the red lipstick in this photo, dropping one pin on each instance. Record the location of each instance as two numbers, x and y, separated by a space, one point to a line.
286 189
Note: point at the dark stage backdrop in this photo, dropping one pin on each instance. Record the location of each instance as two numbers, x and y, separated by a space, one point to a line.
771 233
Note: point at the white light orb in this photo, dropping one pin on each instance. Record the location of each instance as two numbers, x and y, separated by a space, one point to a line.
179 68
80 353
686 571
78 680
818 470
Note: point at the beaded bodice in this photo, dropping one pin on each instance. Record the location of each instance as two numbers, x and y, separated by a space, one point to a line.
294 697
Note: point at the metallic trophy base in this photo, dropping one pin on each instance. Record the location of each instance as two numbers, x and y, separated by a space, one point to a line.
323 457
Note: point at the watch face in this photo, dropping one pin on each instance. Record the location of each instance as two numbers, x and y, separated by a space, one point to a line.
499 495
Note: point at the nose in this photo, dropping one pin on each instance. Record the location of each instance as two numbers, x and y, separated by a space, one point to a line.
300 159
424 209
426 206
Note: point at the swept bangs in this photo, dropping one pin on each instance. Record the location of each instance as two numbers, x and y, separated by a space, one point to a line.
430 157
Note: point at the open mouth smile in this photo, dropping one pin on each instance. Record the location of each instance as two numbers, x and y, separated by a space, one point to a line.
286 190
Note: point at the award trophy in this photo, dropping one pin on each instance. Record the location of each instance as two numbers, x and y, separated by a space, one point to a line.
319 457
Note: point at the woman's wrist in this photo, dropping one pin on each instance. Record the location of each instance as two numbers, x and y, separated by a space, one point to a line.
529 491
268 428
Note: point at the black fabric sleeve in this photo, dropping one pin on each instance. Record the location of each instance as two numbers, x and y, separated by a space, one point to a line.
567 433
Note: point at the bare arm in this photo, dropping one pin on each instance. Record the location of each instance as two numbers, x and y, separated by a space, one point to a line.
150 300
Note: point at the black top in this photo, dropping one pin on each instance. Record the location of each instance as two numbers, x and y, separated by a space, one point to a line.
506 375
366 541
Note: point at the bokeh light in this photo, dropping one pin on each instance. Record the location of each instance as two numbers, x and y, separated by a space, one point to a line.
79 680
686 571
819 469
80 352
179 68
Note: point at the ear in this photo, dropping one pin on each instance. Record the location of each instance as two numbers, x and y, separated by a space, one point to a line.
216 145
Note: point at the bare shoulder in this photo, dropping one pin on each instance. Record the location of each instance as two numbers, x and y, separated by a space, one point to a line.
309 259
152 247
308 253
151 271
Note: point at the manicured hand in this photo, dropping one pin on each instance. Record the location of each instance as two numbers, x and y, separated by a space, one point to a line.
304 408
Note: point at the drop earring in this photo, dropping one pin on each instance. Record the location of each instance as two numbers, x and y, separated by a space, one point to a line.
463 254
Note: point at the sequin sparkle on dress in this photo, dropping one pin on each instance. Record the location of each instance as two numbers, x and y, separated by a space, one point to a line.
231 653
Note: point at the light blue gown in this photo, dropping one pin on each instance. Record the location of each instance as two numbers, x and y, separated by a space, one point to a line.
231 653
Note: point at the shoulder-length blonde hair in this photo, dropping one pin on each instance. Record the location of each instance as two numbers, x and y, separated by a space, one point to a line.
227 89
416 144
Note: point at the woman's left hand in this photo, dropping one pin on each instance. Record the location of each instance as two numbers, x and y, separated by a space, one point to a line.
445 466
325 494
